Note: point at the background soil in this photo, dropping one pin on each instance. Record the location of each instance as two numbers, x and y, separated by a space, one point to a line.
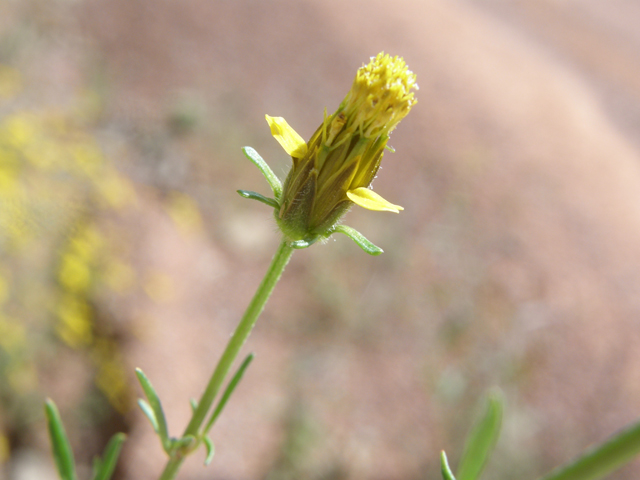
516 262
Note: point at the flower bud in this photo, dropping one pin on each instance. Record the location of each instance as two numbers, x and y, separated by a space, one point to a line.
335 168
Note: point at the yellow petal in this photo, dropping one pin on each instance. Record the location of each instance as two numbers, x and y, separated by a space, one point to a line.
369 199
287 137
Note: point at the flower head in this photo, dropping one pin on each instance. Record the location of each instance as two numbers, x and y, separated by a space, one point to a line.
335 168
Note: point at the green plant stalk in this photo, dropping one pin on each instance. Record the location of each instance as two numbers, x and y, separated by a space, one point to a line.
279 262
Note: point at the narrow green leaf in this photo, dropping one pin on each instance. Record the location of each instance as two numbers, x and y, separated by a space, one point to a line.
97 465
233 383
482 439
599 461
156 406
60 445
274 181
148 411
210 450
261 198
447 474
103 468
360 239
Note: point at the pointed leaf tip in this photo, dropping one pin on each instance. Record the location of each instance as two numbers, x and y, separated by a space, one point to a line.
104 468
210 450
151 416
482 438
62 453
153 408
233 383
272 178
259 197
359 239
447 474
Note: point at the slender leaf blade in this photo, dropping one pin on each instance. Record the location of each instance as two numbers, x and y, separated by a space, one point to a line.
447 474
482 439
104 468
148 411
97 465
272 179
228 391
210 450
62 453
603 459
359 239
259 197
155 404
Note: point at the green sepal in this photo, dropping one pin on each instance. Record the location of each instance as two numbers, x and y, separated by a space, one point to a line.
272 179
482 439
210 450
233 383
257 196
601 460
357 237
447 474
103 467
307 242
62 453
153 409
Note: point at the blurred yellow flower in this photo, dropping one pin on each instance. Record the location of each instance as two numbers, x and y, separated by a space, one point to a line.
184 212
75 326
159 287
4 448
119 276
10 81
4 289
13 335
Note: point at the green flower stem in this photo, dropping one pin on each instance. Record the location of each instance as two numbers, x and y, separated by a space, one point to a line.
279 262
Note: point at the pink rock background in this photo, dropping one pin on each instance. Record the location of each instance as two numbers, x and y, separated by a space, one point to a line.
516 262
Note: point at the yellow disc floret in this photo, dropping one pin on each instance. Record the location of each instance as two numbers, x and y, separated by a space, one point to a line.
381 96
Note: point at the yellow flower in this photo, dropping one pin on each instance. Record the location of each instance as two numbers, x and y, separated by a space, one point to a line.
335 168
10 85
